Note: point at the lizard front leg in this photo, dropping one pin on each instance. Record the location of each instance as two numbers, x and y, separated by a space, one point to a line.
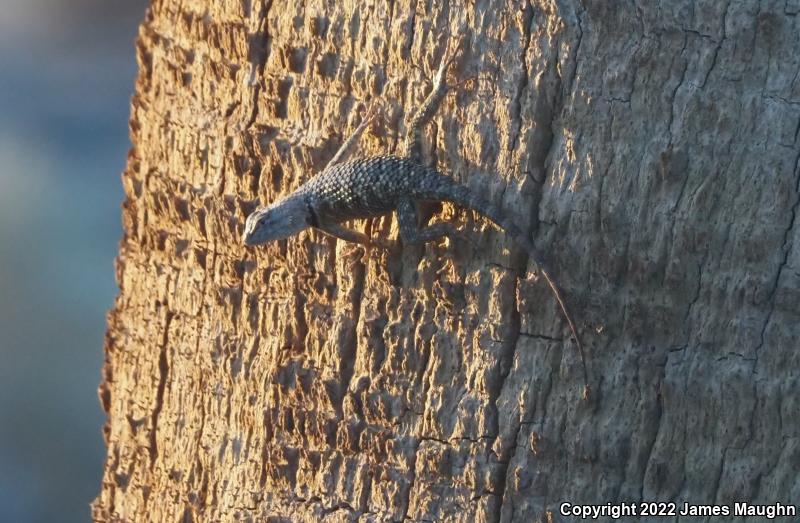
349 235
347 147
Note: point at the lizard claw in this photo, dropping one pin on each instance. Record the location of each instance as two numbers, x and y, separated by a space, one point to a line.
391 247
372 114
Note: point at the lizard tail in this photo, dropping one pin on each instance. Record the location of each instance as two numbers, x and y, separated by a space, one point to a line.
461 195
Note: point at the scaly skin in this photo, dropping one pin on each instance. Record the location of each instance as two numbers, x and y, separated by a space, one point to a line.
380 185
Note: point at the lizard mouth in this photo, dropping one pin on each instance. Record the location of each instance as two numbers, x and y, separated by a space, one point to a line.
248 240
247 236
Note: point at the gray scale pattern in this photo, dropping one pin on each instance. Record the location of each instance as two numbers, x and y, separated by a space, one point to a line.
371 186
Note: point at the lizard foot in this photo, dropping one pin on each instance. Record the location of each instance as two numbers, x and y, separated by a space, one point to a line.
372 114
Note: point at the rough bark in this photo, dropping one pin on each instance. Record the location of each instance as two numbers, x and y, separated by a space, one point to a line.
653 150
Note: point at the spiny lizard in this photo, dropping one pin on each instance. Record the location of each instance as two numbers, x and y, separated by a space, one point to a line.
379 185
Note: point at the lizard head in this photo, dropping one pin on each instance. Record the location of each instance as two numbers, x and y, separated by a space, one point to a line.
280 220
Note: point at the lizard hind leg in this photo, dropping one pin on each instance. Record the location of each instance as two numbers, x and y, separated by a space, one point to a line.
432 103
410 231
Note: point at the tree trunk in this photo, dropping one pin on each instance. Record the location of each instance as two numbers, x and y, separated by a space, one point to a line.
652 151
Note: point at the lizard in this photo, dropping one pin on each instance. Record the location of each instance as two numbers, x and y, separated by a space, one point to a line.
379 185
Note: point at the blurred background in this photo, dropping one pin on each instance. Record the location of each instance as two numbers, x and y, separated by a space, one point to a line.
67 69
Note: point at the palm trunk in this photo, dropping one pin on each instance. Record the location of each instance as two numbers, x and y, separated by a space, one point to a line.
651 150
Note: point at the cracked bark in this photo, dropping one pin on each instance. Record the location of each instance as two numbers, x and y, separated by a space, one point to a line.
652 151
